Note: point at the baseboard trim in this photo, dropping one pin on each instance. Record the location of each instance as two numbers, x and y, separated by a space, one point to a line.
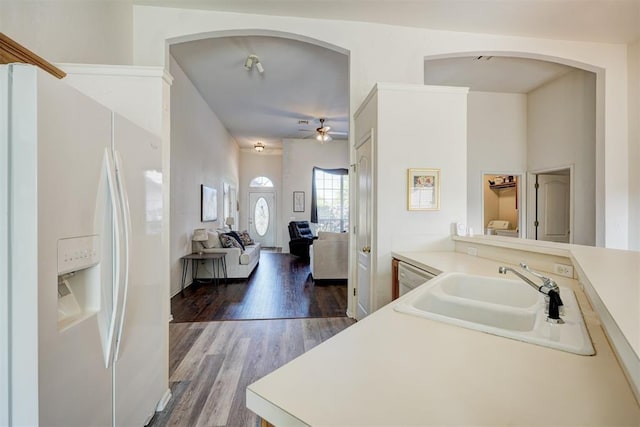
166 397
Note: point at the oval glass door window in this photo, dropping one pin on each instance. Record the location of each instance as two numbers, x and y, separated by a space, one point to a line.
261 217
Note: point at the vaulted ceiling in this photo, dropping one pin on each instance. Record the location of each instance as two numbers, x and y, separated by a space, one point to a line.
301 83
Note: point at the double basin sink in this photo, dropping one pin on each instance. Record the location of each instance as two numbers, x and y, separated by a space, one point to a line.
504 307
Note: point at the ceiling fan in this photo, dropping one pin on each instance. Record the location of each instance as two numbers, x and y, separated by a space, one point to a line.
323 133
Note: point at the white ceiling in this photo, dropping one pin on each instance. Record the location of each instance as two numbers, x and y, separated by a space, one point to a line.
492 74
301 81
305 82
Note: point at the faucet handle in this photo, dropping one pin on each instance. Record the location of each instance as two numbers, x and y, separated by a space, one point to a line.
535 273
546 281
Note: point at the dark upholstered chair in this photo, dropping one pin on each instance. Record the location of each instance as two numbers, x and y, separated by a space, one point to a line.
301 238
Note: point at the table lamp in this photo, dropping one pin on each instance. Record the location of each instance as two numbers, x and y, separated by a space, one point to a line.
200 235
230 221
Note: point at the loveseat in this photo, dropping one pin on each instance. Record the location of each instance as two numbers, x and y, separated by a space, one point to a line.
240 264
329 256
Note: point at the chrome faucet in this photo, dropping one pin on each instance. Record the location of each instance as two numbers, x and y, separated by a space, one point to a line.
549 288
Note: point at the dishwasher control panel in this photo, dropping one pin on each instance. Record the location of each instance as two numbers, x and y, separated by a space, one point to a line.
410 277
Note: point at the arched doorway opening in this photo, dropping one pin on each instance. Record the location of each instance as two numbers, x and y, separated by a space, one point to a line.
531 112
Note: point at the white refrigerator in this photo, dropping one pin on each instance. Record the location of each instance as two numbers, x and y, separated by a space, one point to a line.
86 332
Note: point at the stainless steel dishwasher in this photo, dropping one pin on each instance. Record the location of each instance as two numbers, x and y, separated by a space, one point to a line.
410 277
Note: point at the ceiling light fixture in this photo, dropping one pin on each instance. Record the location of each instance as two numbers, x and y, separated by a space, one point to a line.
258 146
323 132
251 61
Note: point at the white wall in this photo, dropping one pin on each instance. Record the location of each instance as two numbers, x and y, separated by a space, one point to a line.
561 132
202 152
254 164
137 93
497 143
634 145
432 133
396 54
96 31
299 156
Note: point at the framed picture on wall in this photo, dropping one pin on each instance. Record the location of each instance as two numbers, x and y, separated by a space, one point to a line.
208 203
423 189
298 201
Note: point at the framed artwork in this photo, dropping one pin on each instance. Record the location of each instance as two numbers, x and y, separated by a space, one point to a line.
298 201
423 189
208 203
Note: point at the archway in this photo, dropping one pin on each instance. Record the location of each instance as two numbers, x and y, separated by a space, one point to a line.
589 128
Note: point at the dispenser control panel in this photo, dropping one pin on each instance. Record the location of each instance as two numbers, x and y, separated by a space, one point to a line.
77 253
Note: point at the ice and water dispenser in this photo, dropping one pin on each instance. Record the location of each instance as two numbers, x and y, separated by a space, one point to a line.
78 279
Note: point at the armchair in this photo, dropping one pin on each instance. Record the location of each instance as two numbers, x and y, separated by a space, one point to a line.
301 238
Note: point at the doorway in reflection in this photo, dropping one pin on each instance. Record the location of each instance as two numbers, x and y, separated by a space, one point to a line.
502 204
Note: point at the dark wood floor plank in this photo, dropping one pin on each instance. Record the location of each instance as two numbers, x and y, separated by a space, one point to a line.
180 344
280 287
189 365
188 410
216 409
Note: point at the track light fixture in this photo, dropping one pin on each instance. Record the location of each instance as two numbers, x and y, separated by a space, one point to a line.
258 146
251 61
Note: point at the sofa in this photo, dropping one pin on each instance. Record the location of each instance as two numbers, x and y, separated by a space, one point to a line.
329 256
240 264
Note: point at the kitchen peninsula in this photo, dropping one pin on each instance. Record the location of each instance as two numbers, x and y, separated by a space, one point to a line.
396 369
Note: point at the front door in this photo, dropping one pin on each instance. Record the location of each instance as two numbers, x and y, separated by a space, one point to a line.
262 216
363 227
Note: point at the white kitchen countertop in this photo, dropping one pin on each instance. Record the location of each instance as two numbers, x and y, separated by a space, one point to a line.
394 369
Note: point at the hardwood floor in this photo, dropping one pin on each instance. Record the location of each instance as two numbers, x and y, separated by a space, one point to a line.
212 363
279 288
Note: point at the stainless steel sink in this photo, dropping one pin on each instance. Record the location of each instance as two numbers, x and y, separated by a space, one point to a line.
508 308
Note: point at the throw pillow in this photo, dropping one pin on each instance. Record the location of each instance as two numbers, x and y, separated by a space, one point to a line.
237 237
229 242
246 238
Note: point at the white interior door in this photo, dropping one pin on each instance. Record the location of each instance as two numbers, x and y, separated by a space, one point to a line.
553 208
363 228
262 216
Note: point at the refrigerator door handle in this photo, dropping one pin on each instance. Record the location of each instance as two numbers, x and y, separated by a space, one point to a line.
110 317
126 221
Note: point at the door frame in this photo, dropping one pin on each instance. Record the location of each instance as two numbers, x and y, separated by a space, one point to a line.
521 198
531 199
